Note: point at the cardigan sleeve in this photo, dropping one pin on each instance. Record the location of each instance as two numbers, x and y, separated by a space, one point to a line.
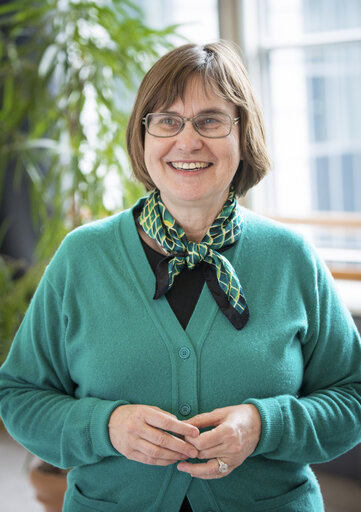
37 396
324 419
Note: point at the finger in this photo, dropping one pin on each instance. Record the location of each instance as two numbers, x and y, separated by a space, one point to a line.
213 453
157 452
166 441
206 471
146 459
207 419
211 439
166 421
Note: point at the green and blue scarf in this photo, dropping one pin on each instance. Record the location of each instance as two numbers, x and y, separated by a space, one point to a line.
220 276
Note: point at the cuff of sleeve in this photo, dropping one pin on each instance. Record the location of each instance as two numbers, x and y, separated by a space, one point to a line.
272 424
98 427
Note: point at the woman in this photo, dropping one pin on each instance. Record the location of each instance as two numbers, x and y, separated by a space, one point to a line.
187 354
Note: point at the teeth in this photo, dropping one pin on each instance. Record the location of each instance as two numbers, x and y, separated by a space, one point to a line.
190 166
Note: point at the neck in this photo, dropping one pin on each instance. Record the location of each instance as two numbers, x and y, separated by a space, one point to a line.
195 219
195 224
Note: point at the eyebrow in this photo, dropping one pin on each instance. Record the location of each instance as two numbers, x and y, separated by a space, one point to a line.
202 112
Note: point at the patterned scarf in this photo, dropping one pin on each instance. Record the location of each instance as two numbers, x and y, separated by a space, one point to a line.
220 276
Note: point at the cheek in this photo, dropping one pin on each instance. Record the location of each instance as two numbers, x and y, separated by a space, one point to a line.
237 148
154 150
233 153
147 149
236 142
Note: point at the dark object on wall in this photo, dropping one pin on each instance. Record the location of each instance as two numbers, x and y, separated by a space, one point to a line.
19 237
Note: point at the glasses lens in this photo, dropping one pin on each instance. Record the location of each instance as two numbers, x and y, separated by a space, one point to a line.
163 125
213 125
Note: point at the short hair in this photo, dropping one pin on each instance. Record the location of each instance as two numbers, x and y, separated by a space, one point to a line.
219 66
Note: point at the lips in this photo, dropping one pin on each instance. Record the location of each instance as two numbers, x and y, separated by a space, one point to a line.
190 166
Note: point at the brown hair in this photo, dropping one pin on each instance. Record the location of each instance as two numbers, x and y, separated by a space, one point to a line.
218 66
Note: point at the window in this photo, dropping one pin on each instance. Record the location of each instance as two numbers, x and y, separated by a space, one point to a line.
305 58
198 20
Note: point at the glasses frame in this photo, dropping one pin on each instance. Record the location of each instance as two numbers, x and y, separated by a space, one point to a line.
233 121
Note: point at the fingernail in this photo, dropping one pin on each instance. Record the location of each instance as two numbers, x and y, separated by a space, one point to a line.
193 454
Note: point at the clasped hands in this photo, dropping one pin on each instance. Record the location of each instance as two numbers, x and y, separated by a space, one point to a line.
150 435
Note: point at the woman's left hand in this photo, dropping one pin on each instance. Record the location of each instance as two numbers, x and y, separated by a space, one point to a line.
235 436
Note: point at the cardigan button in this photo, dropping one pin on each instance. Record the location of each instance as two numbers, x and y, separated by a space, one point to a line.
184 353
185 409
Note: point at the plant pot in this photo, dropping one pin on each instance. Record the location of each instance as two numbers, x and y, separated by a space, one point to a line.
49 484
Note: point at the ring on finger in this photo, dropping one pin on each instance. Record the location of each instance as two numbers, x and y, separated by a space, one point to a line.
222 466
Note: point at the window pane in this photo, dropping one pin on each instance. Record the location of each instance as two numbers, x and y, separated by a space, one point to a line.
198 20
322 15
321 184
315 95
282 19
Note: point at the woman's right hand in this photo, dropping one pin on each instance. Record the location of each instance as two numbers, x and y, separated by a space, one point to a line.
142 433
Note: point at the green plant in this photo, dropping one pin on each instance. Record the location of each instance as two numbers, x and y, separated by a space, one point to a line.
14 298
69 69
68 73
18 282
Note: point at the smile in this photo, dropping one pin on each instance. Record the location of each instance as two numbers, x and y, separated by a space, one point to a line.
190 166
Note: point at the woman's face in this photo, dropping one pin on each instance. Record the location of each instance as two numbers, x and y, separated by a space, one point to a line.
208 184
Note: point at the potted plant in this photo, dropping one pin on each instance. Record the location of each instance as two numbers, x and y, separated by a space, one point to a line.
68 73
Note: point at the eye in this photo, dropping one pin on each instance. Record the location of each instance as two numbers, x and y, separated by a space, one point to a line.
169 121
209 122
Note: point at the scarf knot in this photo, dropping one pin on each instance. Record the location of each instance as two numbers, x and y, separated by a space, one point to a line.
196 252
221 278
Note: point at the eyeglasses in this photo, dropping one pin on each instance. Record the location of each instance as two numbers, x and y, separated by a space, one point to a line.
212 125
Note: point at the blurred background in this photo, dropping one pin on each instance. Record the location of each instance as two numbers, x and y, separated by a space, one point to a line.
69 71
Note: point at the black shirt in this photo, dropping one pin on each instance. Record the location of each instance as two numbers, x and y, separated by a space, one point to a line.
186 289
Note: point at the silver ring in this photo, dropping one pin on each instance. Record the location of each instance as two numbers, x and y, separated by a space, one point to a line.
222 466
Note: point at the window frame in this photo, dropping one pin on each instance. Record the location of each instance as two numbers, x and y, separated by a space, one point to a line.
239 21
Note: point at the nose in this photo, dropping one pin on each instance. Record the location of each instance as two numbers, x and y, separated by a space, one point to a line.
189 139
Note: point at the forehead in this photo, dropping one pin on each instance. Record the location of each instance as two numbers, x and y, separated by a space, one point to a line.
198 96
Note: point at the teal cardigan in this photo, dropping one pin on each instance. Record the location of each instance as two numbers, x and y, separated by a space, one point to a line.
93 339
